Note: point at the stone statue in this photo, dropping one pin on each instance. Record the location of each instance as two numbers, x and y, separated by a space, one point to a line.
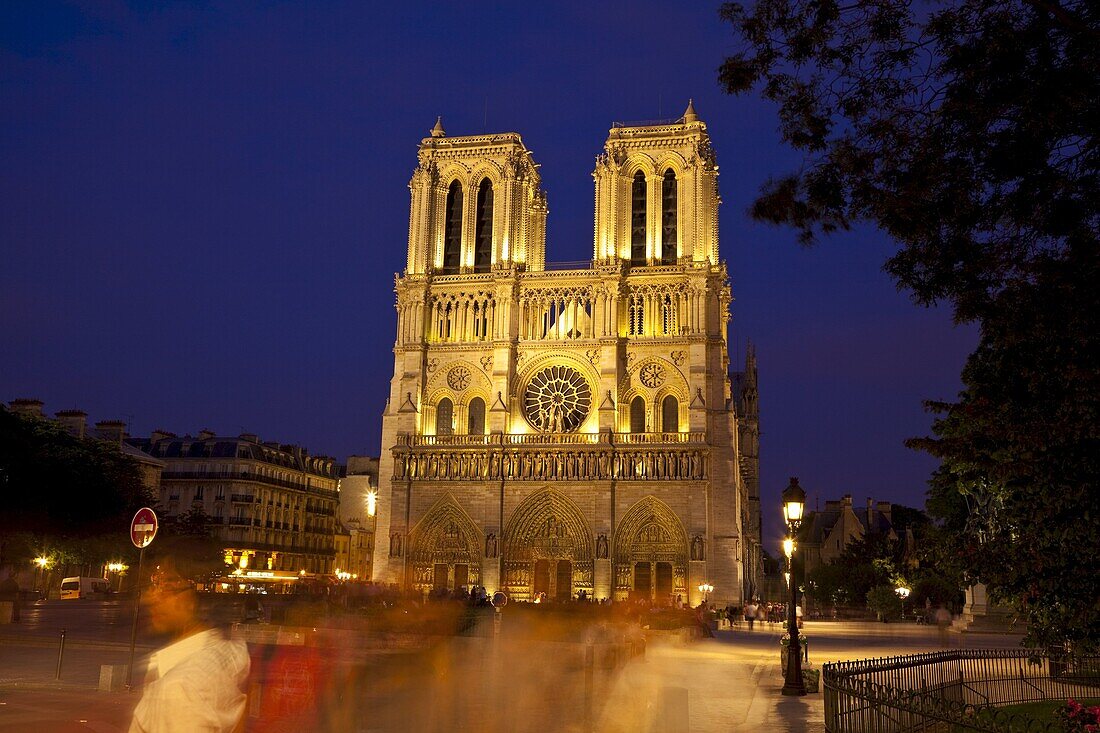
395 544
601 547
697 551
491 546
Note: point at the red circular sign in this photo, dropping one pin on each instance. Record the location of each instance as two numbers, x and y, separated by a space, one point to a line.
144 527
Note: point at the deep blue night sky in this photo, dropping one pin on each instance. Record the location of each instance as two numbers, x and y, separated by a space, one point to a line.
202 208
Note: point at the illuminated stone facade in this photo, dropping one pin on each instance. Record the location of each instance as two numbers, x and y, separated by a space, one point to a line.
564 428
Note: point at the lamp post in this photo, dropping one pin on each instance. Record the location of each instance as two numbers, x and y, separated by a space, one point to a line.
117 568
706 589
794 502
903 592
43 564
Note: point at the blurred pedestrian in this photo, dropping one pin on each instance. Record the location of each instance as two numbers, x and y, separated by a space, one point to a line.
196 682
943 620
750 613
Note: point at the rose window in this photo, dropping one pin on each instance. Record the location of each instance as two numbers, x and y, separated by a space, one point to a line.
653 375
557 400
459 378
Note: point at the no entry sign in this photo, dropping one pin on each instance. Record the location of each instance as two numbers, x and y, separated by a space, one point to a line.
144 527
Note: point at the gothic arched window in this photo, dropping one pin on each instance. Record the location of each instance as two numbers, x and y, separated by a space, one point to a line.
637 219
670 415
668 219
483 236
637 415
452 230
475 421
444 417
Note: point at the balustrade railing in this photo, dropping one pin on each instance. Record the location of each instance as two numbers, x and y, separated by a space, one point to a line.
550 439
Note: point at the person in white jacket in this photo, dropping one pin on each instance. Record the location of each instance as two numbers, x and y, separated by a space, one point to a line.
196 683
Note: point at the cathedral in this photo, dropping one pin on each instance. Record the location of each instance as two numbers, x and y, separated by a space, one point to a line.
559 428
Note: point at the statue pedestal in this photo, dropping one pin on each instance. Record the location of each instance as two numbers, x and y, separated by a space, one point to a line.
601 579
981 616
490 575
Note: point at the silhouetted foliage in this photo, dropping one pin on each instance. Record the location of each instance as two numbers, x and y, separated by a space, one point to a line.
69 488
966 130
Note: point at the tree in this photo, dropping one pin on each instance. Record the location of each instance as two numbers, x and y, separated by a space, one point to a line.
58 485
966 130
884 602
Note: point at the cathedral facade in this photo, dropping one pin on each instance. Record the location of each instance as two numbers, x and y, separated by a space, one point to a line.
553 429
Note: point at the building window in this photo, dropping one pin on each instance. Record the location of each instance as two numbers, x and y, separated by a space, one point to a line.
636 315
483 236
198 493
444 417
670 415
668 315
476 418
637 219
452 232
637 415
668 219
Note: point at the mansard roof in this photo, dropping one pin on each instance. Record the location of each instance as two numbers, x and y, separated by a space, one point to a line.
219 447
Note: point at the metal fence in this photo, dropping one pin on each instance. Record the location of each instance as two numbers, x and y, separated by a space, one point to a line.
954 690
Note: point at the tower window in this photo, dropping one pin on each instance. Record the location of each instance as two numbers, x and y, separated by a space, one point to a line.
668 315
668 219
476 418
483 237
637 219
670 415
636 315
637 415
452 231
444 417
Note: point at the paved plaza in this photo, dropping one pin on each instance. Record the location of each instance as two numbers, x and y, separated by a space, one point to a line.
729 683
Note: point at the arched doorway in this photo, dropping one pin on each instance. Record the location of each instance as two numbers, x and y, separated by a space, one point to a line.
547 549
651 554
444 549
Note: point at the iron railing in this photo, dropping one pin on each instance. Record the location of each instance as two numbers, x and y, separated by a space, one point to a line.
954 690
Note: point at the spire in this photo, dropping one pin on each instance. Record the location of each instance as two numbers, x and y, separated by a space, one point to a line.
438 130
689 113
750 363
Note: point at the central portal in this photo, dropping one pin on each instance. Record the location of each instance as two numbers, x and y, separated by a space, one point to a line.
547 549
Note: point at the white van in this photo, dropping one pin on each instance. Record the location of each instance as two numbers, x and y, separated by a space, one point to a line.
73 588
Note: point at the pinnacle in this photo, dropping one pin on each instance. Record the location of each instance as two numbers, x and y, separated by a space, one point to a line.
438 130
689 113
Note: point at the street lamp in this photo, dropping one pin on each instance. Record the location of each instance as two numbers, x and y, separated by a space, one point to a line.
706 589
117 568
794 502
372 503
43 564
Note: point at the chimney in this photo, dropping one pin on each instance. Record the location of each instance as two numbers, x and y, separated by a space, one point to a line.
206 434
26 407
885 509
870 514
846 500
161 434
73 421
112 431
